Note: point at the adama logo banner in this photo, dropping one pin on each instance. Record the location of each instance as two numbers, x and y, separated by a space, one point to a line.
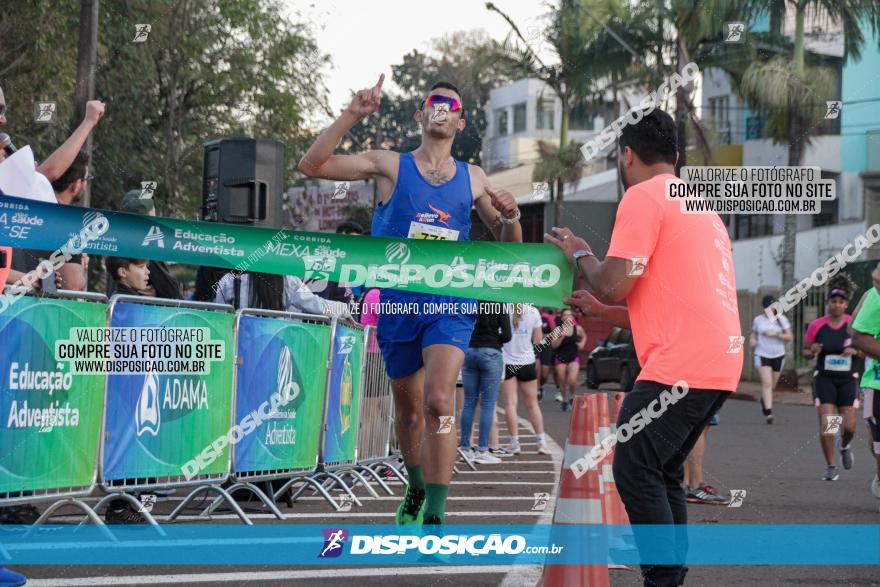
156 422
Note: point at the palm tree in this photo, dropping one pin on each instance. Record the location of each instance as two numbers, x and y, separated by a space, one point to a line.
586 55
792 91
671 34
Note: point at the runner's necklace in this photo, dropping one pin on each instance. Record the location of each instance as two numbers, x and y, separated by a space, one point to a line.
436 176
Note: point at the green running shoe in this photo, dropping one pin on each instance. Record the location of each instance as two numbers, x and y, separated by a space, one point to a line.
410 509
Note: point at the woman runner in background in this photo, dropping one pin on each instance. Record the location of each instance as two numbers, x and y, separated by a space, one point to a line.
835 380
567 363
768 339
520 372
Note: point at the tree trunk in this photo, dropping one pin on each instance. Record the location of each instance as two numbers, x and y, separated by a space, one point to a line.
795 152
680 112
85 72
563 140
796 130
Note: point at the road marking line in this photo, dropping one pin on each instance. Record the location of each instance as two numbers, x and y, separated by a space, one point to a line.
261 576
298 515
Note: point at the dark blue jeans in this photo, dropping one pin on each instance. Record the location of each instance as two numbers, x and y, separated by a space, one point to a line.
481 375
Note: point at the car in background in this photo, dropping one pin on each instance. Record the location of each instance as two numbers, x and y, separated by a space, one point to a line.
613 359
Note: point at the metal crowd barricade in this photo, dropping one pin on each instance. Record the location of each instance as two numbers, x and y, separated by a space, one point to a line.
244 473
334 460
377 417
148 420
30 350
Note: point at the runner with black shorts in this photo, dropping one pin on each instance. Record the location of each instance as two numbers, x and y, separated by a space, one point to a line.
866 333
567 363
520 372
768 339
834 380
423 194
544 350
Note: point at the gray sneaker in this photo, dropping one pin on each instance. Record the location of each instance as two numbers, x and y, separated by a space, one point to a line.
830 474
846 455
705 494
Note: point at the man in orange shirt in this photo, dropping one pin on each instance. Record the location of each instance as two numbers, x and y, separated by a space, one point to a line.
675 272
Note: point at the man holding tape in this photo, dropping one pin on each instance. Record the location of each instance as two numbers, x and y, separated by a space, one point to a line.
424 194
675 272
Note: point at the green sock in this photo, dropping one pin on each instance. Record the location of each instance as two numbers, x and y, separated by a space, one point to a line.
416 476
435 499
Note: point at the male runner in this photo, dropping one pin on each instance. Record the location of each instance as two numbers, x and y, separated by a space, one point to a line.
675 272
423 194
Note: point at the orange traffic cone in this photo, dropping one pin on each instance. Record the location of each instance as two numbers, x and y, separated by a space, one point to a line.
580 498
617 513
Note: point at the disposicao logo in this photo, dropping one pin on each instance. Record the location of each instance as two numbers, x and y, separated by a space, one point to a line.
334 539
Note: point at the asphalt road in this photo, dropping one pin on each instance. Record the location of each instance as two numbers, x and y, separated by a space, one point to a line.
779 466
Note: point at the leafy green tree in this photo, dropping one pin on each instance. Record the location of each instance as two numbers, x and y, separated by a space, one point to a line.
208 69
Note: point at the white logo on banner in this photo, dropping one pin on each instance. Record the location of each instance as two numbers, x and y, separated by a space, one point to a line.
154 234
318 268
287 387
147 415
346 343
397 253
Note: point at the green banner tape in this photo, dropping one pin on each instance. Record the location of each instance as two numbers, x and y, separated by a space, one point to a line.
492 271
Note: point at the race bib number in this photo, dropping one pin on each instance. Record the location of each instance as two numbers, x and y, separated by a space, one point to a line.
837 363
420 230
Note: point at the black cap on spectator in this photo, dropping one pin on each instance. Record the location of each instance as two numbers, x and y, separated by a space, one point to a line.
134 203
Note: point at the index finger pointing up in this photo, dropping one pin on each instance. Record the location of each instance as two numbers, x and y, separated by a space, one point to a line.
377 89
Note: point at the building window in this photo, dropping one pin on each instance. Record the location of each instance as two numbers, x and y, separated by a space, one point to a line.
501 122
519 117
545 113
752 225
829 209
719 113
755 127
591 115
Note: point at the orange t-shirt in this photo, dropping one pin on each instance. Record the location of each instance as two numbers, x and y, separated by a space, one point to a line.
683 307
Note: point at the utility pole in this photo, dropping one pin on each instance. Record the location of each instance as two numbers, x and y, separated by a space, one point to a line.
85 71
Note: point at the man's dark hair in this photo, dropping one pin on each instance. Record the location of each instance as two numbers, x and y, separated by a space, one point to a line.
114 264
653 139
349 226
445 86
77 170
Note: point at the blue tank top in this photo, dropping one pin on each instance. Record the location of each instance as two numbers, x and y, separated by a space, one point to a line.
418 209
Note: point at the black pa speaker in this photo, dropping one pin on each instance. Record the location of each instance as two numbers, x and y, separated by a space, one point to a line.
243 182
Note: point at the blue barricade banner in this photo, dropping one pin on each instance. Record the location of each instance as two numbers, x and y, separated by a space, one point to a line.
287 359
170 424
340 442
